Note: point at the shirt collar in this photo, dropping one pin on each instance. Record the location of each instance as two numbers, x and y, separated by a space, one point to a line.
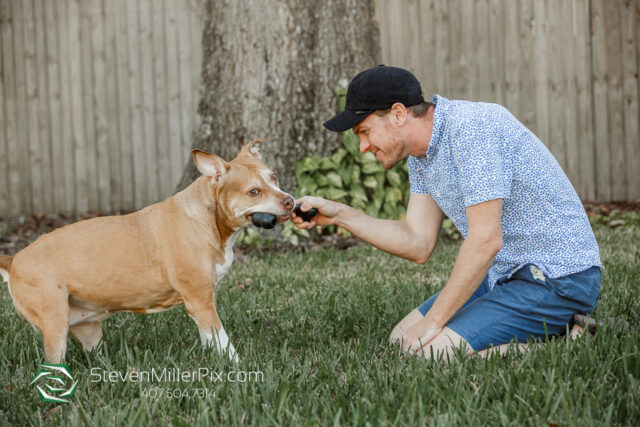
441 107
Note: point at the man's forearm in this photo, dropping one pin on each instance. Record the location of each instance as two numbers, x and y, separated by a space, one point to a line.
394 237
471 266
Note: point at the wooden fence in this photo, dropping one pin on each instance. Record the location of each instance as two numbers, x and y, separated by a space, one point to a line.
98 97
568 69
97 102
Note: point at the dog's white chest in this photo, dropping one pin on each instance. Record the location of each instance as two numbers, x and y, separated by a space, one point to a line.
221 269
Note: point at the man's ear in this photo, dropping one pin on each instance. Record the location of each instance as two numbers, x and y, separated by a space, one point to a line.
210 165
253 148
399 113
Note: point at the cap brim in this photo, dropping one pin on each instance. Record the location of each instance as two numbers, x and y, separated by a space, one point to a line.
345 120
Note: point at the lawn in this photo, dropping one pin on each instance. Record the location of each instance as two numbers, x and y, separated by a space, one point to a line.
311 329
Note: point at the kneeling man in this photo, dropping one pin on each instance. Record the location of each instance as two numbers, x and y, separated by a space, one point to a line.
529 260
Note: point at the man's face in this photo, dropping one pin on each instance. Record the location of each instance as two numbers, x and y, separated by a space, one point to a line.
378 135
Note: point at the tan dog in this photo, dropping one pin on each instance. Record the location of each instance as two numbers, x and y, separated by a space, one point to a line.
166 254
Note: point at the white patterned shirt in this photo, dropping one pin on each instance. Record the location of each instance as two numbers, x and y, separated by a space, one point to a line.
480 152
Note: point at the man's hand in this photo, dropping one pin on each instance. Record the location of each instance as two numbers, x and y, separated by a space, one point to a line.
419 335
327 212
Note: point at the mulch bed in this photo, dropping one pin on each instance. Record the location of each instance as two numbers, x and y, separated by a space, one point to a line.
16 233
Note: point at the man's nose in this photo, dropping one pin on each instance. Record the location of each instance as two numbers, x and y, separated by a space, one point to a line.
364 145
287 202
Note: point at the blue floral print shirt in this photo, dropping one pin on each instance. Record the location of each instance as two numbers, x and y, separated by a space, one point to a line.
479 152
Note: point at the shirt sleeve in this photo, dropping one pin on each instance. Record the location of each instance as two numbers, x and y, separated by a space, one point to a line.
481 154
416 176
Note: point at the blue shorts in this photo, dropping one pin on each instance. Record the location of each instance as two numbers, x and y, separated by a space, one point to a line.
527 304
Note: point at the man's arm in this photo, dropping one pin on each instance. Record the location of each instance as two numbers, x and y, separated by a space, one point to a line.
412 238
476 255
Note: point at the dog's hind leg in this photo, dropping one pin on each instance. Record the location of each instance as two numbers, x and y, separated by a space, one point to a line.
89 334
45 306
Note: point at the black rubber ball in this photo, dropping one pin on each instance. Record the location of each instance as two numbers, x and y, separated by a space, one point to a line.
264 220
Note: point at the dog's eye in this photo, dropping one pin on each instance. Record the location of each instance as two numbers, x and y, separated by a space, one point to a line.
274 178
254 192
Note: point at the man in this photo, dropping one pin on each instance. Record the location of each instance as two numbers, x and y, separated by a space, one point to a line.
529 260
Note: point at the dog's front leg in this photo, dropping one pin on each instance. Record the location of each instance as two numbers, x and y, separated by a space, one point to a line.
201 306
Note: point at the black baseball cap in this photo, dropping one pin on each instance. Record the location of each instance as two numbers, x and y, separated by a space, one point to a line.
377 88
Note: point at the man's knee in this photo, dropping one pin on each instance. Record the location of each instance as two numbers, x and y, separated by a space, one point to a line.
409 320
445 345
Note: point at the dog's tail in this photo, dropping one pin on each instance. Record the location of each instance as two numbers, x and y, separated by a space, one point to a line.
5 265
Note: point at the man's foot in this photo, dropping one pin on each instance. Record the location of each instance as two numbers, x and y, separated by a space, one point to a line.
583 322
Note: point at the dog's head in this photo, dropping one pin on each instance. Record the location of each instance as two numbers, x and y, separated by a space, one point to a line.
244 186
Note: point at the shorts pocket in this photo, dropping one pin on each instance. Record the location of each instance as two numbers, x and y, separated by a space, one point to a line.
582 288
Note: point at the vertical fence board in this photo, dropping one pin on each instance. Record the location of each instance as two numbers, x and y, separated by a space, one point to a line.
148 101
511 58
629 22
426 13
98 96
112 112
88 113
125 141
600 92
185 65
41 91
7 105
54 109
141 189
35 165
161 162
67 145
614 97
584 100
11 108
195 23
173 96
554 106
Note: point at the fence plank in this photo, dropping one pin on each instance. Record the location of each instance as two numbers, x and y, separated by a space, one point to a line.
112 112
614 98
35 164
61 20
584 112
426 13
148 101
89 109
141 195
555 105
54 109
599 55
97 94
185 65
629 24
10 72
511 58
41 91
160 99
125 141
7 105
4 172
173 96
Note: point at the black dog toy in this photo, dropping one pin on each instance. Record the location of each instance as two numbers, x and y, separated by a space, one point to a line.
306 216
264 220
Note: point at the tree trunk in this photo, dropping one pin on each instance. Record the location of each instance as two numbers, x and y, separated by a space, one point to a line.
270 70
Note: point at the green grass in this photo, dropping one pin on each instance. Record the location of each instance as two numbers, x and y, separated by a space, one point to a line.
315 325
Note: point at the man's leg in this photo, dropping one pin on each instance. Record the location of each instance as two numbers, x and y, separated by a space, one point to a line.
418 313
527 305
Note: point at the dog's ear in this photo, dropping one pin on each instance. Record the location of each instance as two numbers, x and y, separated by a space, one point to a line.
210 165
253 148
